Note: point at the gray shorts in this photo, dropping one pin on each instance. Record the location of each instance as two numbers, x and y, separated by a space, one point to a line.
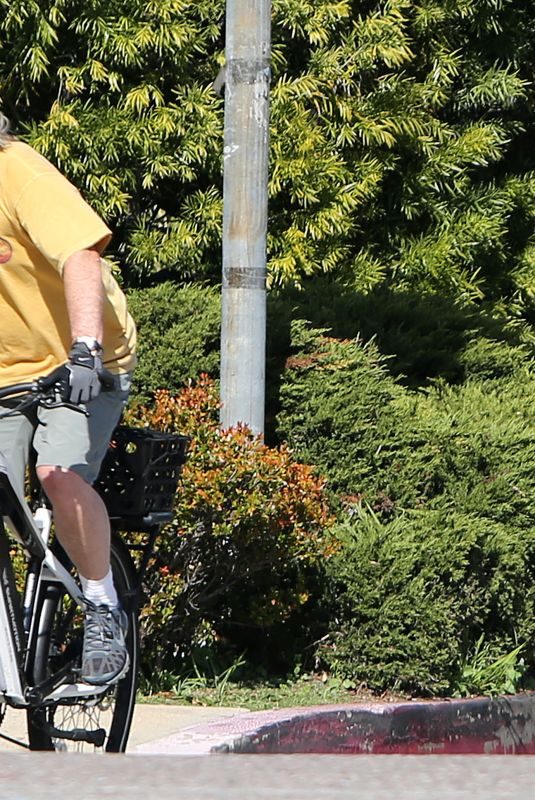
63 437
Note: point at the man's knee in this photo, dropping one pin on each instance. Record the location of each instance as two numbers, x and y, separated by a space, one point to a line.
59 481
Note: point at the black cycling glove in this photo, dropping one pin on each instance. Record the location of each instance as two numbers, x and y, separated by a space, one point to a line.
84 372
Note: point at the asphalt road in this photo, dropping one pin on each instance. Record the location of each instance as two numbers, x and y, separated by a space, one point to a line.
49 776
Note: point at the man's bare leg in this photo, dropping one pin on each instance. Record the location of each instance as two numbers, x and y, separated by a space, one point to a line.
80 518
83 528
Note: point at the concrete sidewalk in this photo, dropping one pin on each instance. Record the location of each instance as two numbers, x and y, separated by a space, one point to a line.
152 723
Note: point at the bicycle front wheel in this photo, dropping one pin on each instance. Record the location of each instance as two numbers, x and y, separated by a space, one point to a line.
60 642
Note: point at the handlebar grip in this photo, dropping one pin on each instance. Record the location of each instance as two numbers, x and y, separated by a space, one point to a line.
53 378
59 378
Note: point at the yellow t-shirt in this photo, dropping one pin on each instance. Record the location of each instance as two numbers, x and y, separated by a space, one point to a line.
43 221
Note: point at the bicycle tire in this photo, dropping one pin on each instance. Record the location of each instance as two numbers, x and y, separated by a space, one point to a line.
60 637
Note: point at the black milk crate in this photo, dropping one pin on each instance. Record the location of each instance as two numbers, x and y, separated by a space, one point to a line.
140 472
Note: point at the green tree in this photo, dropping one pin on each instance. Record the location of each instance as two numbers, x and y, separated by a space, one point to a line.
400 136
119 95
406 161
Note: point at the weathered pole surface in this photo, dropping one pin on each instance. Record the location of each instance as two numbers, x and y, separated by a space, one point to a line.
243 332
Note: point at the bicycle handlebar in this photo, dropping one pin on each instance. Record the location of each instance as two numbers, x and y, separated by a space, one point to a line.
43 391
15 389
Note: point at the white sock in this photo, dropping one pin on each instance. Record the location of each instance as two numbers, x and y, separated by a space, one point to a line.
102 592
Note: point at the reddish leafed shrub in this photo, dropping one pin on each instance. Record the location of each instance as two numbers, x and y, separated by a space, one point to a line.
249 527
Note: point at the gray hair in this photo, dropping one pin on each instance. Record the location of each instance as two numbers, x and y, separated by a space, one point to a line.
5 138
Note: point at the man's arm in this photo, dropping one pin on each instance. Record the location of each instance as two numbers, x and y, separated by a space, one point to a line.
84 293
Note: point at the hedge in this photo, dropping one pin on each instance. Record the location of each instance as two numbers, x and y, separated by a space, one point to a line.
435 543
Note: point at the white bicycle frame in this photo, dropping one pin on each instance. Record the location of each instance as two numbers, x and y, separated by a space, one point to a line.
32 532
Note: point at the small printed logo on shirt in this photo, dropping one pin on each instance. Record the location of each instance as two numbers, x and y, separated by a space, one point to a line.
6 251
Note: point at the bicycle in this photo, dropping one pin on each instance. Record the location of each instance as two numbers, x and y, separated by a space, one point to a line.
41 626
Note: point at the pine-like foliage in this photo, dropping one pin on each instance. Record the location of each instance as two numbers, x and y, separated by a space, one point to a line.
401 146
118 94
400 134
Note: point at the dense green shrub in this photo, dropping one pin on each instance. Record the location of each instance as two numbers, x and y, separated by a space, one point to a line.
178 336
445 552
379 441
334 396
414 595
425 336
488 359
250 524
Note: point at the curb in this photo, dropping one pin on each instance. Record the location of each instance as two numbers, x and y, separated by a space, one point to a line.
492 726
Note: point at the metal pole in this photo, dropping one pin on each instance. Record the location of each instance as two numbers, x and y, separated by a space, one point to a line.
243 332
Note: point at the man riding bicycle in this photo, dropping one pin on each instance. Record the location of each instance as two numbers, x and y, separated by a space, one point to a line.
61 307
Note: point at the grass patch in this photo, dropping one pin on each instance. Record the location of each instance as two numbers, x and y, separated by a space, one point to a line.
307 690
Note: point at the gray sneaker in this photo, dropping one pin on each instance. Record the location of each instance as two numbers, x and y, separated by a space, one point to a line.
105 658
